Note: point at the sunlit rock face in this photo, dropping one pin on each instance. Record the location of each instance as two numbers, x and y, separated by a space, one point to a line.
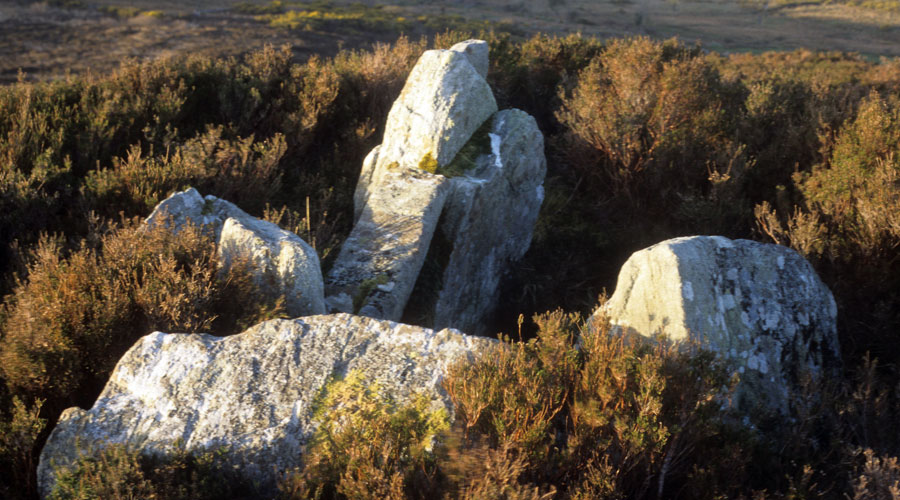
281 262
251 393
449 162
759 305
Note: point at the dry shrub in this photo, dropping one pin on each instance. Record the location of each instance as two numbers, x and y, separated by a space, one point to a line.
477 471
613 417
68 324
19 434
242 171
120 473
647 118
850 225
879 478
116 473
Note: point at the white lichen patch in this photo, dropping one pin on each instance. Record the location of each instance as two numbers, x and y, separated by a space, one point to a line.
495 150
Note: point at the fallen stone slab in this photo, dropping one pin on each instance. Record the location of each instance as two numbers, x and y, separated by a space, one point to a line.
251 394
380 261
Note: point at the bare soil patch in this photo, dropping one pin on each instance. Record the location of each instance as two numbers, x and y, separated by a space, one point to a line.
48 39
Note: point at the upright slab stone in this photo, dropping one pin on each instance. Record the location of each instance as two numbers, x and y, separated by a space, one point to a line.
489 220
759 305
251 394
379 262
282 263
399 196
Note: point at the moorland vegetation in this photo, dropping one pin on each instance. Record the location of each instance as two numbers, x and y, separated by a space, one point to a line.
646 140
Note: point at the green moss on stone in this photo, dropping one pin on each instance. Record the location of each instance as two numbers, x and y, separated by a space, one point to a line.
365 289
428 163
479 144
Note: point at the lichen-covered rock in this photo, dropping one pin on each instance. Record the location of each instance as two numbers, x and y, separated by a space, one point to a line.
379 262
489 220
283 264
762 306
442 104
399 197
252 393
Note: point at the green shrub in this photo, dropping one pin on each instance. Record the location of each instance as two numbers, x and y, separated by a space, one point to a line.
368 445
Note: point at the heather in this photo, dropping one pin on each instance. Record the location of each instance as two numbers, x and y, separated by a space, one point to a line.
646 140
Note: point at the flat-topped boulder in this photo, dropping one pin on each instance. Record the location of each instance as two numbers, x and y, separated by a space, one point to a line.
282 263
761 306
250 394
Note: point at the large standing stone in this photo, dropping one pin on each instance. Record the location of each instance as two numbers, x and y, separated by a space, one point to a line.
282 263
444 101
399 196
478 52
489 220
760 305
252 393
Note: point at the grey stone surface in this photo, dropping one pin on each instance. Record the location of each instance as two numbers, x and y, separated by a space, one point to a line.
489 219
495 194
252 393
397 204
478 52
379 262
762 306
443 102
283 263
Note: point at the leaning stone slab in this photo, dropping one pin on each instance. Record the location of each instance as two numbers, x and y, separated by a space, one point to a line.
283 263
251 393
759 305
379 262
444 101
489 220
